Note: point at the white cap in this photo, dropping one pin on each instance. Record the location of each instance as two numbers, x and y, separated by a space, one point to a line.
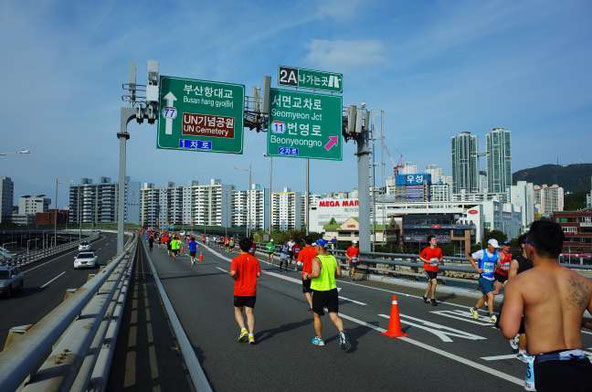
354 241
493 242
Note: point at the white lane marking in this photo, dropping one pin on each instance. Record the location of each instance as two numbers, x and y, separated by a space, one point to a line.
587 333
499 357
441 331
46 284
353 300
463 316
443 353
221 269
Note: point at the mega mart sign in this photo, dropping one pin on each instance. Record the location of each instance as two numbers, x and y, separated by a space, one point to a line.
305 125
200 115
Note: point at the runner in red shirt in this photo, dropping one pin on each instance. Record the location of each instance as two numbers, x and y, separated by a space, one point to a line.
306 255
503 267
352 255
431 257
245 270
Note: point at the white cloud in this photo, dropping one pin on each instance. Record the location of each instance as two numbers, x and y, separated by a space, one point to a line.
344 53
339 9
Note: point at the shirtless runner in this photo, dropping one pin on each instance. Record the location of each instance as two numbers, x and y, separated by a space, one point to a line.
552 299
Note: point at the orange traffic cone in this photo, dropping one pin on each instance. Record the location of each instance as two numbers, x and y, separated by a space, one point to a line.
394 327
200 257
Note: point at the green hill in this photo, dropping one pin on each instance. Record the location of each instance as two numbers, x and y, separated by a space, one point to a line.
572 178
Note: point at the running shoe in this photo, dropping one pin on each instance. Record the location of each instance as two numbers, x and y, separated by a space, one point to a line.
474 313
242 338
425 299
251 339
514 342
344 342
434 302
316 341
493 318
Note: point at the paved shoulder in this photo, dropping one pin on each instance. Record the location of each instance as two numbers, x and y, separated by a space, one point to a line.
146 356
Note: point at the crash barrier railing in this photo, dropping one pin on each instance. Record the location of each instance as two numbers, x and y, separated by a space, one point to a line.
24 258
72 347
410 266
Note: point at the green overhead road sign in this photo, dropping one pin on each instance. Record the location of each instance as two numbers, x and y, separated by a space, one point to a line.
305 125
200 115
310 78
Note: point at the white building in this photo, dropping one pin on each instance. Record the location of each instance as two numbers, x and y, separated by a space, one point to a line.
30 205
436 172
548 199
97 203
523 196
194 204
504 217
312 200
408 168
441 192
251 207
286 210
6 198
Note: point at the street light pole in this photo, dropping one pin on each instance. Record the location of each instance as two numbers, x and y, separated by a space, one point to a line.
55 215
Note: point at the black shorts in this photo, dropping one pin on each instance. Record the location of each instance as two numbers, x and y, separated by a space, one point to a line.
573 375
500 278
175 251
240 302
325 299
431 275
306 286
192 254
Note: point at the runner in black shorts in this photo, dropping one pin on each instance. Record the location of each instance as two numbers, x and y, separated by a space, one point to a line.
325 299
249 302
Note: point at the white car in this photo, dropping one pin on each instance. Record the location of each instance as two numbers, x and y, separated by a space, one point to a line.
86 259
84 246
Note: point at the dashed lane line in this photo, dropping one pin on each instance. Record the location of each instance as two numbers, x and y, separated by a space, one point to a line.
48 283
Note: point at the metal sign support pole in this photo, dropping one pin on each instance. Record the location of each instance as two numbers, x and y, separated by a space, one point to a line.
363 155
127 114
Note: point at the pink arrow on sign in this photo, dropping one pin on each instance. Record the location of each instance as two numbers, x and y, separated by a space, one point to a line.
333 140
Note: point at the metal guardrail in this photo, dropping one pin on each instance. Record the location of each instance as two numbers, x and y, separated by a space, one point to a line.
71 347
451 268
25 258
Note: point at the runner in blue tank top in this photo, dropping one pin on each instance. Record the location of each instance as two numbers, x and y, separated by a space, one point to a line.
484 262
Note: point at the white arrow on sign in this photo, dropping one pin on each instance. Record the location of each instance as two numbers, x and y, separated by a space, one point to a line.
170 102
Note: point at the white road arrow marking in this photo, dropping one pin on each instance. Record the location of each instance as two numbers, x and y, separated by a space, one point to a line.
462 316
170 102
441 331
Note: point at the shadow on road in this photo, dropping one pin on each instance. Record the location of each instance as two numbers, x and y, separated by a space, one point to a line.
270 333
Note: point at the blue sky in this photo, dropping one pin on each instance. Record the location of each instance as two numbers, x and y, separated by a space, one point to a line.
434 67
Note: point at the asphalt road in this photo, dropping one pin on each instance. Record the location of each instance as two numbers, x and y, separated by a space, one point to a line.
46 282
446 349
146 355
